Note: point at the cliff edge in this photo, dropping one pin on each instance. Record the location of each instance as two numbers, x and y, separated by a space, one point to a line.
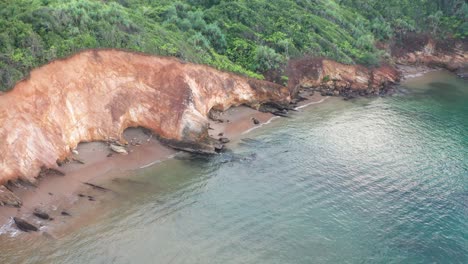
95 95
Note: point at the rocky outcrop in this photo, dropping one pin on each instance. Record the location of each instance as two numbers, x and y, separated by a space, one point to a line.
451 56
333 78
8 198
95 95
24 225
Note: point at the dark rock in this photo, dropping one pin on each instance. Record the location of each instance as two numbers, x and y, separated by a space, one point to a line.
97 187
221 134
49 171
147 131
272 107
224 140
64 213
23 225
301 99
60 163
255 121
81 195
8 198
282 113
219 148
41 214
215 115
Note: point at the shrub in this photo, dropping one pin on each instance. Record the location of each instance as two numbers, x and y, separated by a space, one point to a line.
267 58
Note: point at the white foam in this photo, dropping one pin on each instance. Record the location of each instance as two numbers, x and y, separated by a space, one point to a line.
255 127
275 117
311 103
158 161
9 229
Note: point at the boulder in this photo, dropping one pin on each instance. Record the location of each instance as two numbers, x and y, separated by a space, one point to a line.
41 214
23 225
118 149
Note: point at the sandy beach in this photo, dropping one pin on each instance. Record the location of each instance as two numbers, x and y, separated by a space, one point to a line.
74 199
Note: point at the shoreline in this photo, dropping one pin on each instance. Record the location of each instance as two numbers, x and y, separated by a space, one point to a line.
74 199
415 71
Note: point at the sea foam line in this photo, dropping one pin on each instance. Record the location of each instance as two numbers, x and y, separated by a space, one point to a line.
311 103
275 117
255 127
9 229
158 161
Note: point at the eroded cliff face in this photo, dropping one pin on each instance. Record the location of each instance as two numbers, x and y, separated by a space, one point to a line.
451 55
333 78
96 95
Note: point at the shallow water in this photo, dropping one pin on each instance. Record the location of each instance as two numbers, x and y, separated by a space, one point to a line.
382 180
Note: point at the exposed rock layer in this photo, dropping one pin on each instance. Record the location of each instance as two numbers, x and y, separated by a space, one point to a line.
337 78
333 78
95 95
431 54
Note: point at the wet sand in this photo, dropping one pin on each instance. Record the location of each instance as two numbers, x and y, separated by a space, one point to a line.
72 203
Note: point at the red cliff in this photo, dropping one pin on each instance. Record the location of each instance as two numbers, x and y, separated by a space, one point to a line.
423 50
96 95
333 78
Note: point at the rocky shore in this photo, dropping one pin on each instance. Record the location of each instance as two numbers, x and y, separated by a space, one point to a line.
96 95
92 177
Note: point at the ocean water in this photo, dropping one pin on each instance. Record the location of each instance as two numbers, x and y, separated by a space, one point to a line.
381 180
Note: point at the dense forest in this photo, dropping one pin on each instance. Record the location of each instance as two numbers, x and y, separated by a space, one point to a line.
248 37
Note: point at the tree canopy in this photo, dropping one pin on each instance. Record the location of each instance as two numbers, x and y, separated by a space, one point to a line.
248 37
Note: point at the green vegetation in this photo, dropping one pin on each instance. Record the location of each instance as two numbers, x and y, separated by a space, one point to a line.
248 37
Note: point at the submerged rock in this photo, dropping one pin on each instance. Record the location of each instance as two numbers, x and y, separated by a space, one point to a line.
23 225
64 213
41 214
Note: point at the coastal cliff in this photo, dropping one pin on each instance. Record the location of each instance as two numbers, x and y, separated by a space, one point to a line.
414 50
95 95
333 78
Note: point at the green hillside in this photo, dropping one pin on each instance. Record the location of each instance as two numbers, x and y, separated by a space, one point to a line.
248 37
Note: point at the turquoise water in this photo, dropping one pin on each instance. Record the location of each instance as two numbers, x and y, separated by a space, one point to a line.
382 180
